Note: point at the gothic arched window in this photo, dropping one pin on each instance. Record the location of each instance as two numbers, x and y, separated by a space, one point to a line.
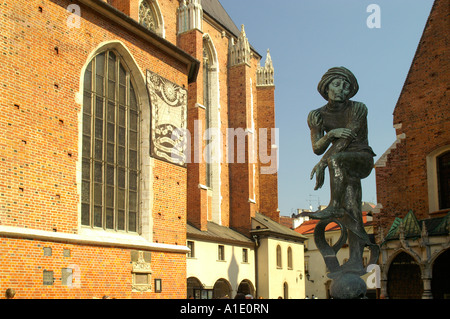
279 262
289 258
213 150
149 16
110 146
285 290
207 105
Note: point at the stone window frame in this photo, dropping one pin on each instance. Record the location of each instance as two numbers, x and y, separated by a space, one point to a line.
145 225
433 179
213 117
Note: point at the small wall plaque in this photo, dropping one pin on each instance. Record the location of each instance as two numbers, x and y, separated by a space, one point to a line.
66 252
66 277
141 272
47 251
48 278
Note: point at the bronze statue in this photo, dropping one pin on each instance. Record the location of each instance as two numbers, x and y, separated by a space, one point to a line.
342 123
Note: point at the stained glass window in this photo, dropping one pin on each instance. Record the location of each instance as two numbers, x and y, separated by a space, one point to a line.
110 150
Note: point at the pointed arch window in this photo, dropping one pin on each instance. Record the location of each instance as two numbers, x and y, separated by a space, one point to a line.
285 290
149 16
279 262
207 105
110 146
213 125
289 258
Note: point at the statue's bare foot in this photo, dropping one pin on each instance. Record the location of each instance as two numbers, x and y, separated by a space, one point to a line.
329 212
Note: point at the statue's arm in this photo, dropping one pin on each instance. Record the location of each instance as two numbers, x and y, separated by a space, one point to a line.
358 119
341 138
339 146
319 140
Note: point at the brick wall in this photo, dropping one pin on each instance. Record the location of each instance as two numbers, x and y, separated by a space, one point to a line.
43 58
236 87
197 201
268 183
42 61
97 271
169 209
422 115
241 174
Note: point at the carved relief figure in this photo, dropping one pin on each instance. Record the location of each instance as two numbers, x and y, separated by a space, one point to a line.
169 119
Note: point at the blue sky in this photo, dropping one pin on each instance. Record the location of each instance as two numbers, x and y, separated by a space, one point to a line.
306 38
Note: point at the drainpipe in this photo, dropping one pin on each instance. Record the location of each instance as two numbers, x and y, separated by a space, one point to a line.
256 239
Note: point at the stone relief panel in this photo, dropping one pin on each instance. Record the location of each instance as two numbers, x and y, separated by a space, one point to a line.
141 271
169 119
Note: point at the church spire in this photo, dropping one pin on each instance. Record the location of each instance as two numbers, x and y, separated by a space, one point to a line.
239 52
265 74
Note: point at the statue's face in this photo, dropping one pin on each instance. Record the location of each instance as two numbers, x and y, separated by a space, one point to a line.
338 90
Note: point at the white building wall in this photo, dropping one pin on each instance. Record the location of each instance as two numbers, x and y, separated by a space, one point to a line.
206 267
272 278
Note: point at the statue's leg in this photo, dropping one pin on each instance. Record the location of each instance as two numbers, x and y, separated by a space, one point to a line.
357 233
345 168
359 167
338 182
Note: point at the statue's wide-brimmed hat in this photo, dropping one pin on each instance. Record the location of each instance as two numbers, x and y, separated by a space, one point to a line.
333 73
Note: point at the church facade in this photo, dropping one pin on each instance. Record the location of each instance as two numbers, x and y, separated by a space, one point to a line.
124 124
413 177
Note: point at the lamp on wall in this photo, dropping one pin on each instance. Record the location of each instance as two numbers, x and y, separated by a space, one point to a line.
308 276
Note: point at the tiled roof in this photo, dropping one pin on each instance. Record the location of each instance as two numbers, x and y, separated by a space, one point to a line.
217 232
286 221
438 226
412 227
267 226
307 227
215 9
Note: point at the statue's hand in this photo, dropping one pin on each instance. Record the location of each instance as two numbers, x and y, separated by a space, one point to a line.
315 119
319 171
342 133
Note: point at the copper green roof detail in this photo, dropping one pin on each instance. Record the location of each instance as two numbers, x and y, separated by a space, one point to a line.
411 227
443 227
